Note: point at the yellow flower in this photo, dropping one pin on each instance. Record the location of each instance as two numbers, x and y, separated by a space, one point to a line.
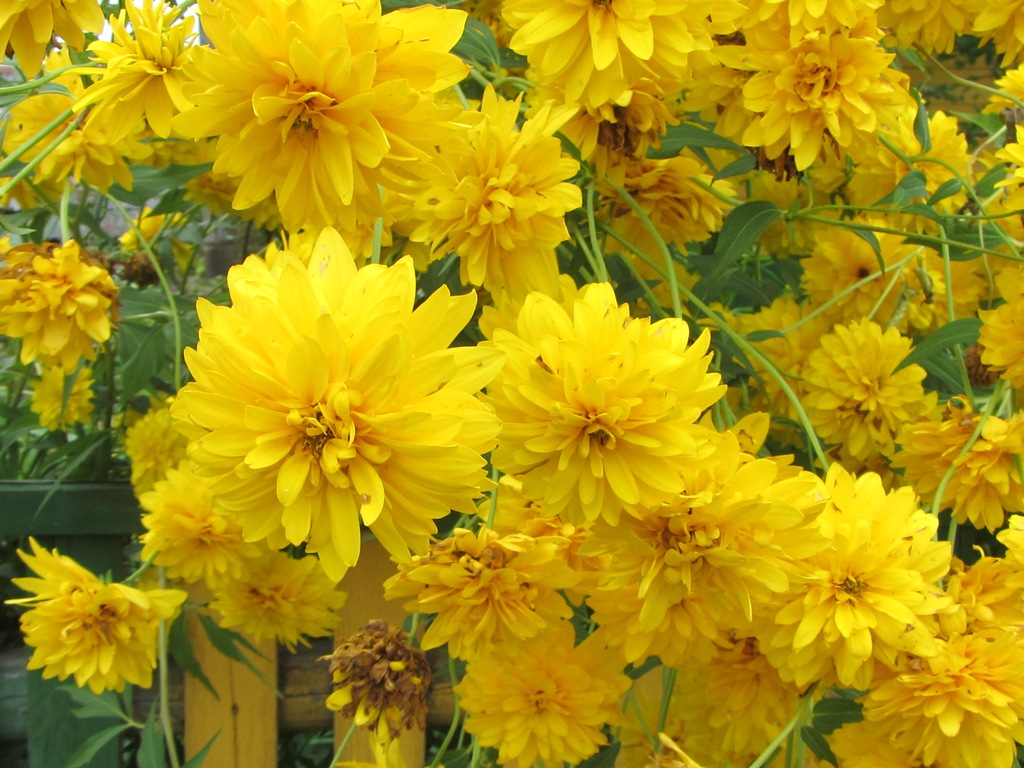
869 595
380 681
545 701
153 447
48 398
143 75
823 92
104 635
595 51
986 481
317 102
322 399
854 394
500 198
1002 329
670 192
188 534
599 409
216 191
866 744
961 707
933 26
800 16
27 27
1001 22
89 154
58 301
284 599
486 590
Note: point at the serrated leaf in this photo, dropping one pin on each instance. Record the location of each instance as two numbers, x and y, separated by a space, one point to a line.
88 704
91 746
180 648
679 137
151 745
963 331
832 713
818 745
743 164
200 756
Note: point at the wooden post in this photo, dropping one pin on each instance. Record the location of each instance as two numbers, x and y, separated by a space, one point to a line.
243 715
365 587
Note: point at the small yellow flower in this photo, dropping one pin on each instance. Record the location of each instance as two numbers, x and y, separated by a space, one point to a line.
104 635
549 700
854 394
986 481
143 75
27 27
1001 22
932 26
188 534
48 398
1002 329
486 589
153 447
58 301
284 599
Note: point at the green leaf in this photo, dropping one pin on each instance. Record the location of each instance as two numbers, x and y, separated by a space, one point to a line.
151 746
764 335
200 756
743 164
921 128
478 45
987 186
948 188
142 356
871 239
153 182
181 651
963 331
832 713
743 226
635 673
228 642
89 704
94 744
818 745
988 122
910 187
679 137
603 759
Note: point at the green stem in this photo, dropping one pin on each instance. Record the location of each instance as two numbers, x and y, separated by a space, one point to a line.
168 292
806 703
163 672
599 265
963 81
652 738
668 684
65 199
343 745
39 82
456 716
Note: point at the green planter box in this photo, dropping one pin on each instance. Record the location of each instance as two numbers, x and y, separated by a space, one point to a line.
92 523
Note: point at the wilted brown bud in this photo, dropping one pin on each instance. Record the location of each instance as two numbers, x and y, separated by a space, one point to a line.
379 676
979 374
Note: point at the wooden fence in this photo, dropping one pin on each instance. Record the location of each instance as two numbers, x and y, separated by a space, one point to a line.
93 524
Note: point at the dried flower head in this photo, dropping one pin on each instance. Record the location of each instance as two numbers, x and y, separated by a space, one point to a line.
380 680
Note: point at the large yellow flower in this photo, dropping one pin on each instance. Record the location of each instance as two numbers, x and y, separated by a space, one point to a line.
986 481
144 70
322 399
317 102
1002 329
104 635
962 707
58 301
486 589
283 598
500 198
869 595
28 26
855 395
188 535
597 49
55 411
824 91
599 409
549 700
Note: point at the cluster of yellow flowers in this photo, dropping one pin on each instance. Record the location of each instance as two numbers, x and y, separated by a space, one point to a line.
714 414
